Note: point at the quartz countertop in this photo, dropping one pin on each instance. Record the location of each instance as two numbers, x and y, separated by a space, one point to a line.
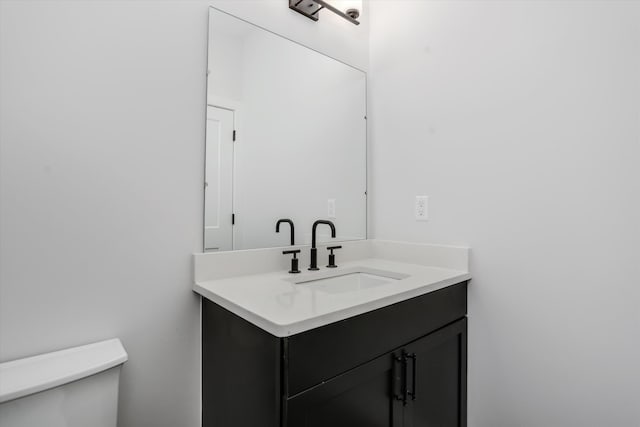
275 303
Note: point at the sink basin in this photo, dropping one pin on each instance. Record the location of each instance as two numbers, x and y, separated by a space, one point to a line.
351 280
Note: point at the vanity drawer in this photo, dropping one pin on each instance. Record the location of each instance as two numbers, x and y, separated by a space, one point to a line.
320 354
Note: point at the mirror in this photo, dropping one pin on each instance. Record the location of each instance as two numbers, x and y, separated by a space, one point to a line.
285 138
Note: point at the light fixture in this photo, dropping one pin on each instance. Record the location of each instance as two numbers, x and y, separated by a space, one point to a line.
348 9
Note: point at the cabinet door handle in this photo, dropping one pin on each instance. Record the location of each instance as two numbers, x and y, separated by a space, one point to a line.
398 374
414 370
405 384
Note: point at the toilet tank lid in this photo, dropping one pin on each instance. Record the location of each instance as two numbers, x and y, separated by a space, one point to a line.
30 375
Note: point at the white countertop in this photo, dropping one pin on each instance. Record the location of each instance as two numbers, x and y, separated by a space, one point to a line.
273 302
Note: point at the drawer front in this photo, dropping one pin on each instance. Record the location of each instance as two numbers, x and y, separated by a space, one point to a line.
315 356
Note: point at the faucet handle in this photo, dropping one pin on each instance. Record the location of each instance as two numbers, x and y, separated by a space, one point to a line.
294 260
332 257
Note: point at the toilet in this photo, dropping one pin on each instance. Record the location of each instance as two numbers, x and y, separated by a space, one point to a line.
76 387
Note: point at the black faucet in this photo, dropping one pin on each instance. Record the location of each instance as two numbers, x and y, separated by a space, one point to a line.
288 221
314 252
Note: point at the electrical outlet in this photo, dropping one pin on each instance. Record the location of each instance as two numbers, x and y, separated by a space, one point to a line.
331 208
422 208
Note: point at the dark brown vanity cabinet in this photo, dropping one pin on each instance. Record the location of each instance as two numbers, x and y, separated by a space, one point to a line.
422 384
401 365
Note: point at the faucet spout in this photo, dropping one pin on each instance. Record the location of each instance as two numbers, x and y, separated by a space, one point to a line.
315 226
314 252
293 233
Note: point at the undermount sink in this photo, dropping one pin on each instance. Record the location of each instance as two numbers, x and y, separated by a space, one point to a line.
351 280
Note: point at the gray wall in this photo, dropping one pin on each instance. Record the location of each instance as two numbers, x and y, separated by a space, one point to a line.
521 120
102 118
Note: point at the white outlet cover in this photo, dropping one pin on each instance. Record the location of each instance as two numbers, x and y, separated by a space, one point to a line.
331 208
422 208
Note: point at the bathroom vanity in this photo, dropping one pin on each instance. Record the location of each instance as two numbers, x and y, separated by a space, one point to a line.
371 335
336 350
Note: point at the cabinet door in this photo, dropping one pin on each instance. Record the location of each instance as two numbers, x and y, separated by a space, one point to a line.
437 378
363 396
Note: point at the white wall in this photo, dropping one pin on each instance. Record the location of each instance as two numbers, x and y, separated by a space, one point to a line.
102 119
521 120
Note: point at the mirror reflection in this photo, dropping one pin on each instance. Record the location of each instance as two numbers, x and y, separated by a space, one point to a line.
285 140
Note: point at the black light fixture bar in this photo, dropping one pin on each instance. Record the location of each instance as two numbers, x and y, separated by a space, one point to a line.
310 9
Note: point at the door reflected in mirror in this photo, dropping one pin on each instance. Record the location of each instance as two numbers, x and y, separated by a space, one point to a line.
285 138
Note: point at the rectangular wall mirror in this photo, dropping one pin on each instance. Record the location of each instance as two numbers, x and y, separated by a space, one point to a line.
286 139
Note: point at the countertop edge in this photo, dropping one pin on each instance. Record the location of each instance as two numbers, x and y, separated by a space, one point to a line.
287 330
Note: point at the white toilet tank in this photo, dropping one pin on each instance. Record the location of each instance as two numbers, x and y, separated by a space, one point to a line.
76 387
